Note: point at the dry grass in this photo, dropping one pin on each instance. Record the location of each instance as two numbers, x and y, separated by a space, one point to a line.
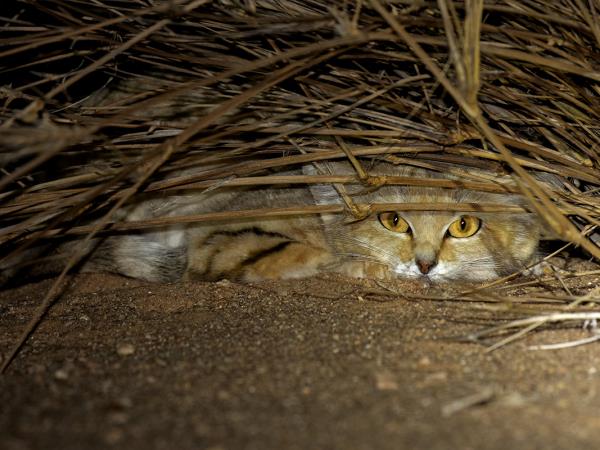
258 86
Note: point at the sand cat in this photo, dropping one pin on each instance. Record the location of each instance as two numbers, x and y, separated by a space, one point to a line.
432 245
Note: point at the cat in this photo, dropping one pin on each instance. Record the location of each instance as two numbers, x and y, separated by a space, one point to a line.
435 246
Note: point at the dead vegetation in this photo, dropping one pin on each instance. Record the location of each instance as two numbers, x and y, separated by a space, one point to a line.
160 97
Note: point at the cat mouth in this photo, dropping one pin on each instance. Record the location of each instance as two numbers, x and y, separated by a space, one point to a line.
434 275
411 270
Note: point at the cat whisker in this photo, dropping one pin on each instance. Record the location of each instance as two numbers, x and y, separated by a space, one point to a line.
361 257
352 240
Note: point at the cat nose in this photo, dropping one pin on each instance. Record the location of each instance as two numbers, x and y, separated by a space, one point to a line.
425 265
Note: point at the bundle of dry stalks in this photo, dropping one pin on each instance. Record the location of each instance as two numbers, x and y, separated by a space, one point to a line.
107 100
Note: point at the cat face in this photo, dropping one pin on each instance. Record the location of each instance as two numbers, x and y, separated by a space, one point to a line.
428 248
437 245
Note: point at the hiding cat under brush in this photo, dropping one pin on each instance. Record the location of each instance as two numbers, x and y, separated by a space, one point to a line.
435 246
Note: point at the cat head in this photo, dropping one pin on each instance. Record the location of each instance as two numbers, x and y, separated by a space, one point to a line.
433 245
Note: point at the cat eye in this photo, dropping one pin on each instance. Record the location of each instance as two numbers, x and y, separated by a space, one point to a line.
393 222
464 227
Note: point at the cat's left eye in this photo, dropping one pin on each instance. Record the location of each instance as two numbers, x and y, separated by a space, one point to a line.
393 222
464 227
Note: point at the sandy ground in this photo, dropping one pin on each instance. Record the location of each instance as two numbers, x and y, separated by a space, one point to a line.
325 363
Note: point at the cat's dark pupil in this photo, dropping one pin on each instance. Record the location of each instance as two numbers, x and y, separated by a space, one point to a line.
395 219
463 224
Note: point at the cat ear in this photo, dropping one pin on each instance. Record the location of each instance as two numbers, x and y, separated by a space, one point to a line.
326 193
323 194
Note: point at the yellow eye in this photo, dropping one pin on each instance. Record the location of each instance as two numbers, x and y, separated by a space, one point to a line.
464 227
393 222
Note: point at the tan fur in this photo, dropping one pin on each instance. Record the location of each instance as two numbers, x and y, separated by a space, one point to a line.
301 246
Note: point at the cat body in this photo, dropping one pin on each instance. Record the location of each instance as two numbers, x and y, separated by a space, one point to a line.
281 247
431 245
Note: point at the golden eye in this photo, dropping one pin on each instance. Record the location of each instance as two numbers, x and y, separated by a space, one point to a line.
464 227
393 222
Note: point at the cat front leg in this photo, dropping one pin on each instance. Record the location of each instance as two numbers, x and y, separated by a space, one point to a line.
365 269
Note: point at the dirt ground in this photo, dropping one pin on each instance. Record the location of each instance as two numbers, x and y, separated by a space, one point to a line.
324 363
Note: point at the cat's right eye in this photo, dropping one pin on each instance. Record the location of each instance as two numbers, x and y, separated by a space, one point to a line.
393 222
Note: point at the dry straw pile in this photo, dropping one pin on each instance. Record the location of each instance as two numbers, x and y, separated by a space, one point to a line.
106 100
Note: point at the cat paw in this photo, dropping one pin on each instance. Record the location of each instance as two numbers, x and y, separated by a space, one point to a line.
541 269
362 269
